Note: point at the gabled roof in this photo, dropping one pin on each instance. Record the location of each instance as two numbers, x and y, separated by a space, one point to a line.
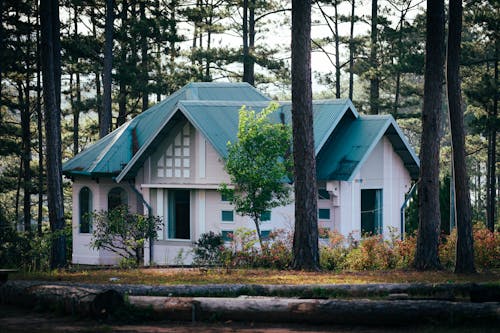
109 155
212 108
353 143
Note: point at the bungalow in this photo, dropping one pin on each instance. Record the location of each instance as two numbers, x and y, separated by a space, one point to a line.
169 159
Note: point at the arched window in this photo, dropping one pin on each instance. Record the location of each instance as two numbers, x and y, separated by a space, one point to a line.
85 202
117 197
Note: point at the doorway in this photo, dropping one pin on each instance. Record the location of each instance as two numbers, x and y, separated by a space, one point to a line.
371 212
179 214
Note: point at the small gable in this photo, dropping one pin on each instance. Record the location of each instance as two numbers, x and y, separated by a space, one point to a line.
353 141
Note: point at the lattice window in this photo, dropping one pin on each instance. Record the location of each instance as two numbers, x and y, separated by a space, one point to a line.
176 161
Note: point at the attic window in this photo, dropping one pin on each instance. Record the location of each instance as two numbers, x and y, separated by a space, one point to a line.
176 161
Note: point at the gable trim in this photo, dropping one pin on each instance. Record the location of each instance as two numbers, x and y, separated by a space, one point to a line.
390 123
141 151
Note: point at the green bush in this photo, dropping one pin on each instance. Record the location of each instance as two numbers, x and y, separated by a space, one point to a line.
244 250
208 249
333 256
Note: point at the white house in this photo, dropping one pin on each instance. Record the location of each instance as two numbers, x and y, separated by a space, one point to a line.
169 159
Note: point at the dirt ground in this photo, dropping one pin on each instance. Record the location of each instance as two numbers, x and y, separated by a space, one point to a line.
14 319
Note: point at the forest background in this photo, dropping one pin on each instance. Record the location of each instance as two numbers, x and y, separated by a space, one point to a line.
372 52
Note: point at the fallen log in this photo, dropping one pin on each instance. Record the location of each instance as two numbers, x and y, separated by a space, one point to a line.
442 291
359 312
94 302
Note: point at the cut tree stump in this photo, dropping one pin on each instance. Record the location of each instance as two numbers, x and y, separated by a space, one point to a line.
70 300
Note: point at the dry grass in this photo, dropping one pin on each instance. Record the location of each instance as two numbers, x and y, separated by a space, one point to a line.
176 276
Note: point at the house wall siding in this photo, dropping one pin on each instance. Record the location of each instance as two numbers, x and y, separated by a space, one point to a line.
82 252
383 169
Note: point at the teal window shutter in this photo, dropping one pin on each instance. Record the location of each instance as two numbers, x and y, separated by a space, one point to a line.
227 216
324 214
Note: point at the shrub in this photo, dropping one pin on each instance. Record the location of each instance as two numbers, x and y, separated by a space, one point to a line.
372 253
404 250
123 233
276 251
208 249
333 256
486 247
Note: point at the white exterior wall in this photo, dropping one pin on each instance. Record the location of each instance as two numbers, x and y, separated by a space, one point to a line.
82 253
382 170
385 170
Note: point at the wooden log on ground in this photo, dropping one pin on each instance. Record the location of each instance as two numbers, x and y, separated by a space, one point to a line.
442 291
315 311
79 301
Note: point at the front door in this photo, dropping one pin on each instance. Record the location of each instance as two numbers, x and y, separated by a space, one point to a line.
371 212
179 214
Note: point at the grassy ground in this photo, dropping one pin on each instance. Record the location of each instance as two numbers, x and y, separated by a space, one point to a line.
176 276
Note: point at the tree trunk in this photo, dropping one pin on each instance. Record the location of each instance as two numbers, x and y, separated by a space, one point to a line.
122 98
144 57
305 241
492 136
1 49
26 153
105 121
51 71
97 72
246 62
39 125
251 43
337 51
398 70
78 103
374 79
351 52
426 256
465 249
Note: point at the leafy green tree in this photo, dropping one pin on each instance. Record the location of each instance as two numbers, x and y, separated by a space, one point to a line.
123 233
258 164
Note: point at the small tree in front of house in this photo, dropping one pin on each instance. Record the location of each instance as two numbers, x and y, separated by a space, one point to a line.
123 233
258 164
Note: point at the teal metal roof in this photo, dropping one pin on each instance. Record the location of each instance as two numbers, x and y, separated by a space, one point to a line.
111 154
342 139
353 142
218 121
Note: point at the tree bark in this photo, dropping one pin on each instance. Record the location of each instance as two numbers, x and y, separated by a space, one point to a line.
246 62
251 43
78 103
122 95
105 121
351 52
465 250
374 79
26 152
491 186
305 241
367 312
337 51
77 301
51 71
426 256
39 115
144 57
1 49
